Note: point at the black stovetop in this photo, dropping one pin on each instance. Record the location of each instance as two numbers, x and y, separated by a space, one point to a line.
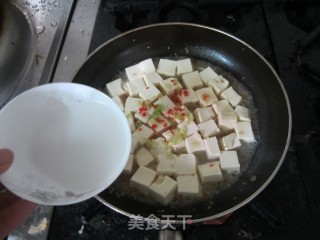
286 34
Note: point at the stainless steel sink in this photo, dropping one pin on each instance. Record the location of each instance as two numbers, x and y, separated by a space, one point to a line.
17 48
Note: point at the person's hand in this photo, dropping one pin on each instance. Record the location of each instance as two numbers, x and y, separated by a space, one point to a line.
13 210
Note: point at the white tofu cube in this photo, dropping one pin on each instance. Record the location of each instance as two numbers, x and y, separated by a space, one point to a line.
188 185
210 172
158 146
230 142
208 74
229 162
143 133
147 66
206 96
195 143
242 113
134 72
152 78
188 96
159 124
244 131
142 179
165 104
119 102
115 88
133 104
208 128
232 96
218 85
167 67
163 189
175 139
129 165
150 93
227 117
169 86
204 114
184 66
167 164
192 80
186 164
133 89
143 157
212 147
179 147
130 121
188 128
134 145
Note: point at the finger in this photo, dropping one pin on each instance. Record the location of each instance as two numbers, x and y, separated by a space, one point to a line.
6 158
14 215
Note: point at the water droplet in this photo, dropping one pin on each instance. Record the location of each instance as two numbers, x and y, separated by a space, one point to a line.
56 4
43 1
40 29
65 58
50 9
83 4
35 5
53 23
81 32
37 10
51 2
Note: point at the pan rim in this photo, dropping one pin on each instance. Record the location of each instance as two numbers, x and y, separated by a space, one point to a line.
266 183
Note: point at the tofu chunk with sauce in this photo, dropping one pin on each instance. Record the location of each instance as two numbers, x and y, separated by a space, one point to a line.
133 104
186 164
169 86
188 185
164 189
133 89
244 131
144 113
142 133
204 114
229 162
192 80
159 124
152 78
115 88
167 67
167 164
129 165
206 96
184 66
232 96
242 113
149 93
230 142
212 147
143 157
142 179
195 143
147 66
210 172
208 129
165 103
188 96
219 84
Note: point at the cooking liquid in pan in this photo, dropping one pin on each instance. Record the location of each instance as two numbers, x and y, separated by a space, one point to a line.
245 153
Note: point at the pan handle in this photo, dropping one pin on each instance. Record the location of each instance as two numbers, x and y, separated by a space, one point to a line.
170 235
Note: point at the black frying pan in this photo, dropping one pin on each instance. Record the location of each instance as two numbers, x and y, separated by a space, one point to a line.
233 56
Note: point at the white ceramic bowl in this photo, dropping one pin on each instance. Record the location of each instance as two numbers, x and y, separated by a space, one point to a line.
70 142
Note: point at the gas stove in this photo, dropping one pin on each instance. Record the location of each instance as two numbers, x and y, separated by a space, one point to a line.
286 33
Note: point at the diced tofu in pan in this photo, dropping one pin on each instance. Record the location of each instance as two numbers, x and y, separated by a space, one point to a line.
192 80
164 189
142 179
210 172
167 67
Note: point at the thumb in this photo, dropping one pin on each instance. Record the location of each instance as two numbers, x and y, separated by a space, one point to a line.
6 158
